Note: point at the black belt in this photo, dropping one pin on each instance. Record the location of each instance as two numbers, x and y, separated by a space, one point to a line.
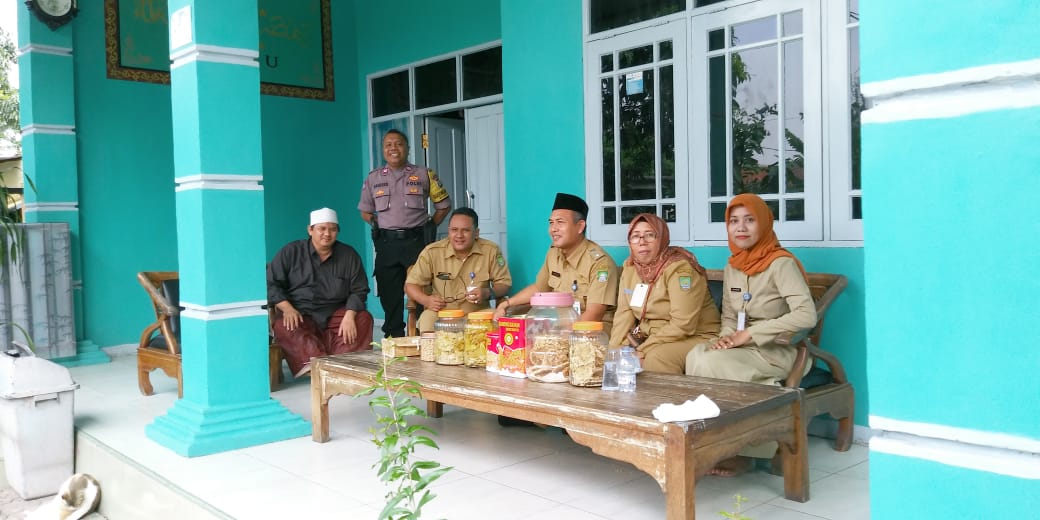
401 234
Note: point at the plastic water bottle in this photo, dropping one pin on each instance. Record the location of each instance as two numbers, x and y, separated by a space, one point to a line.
610 369
627 367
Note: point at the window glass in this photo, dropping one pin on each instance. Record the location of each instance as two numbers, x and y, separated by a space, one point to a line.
664 50
390 94
636 136
754 31
435 84
608 14
637 56
630 212
606 63
856 106
607 107
666 133
482 73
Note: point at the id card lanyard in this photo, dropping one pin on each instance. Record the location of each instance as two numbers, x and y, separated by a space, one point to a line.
577 303
742 315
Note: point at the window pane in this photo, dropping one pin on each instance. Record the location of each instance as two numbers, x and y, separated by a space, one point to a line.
754 124
702 3
482 73
606 63
668 212
390 94
753 31
792 23
794 119
774 206
717 125
716 39
857 208
856 99
795 210
630 212
637 56
718 211
608 14
435 84
664 50
667 133
609 216
636 136
607 109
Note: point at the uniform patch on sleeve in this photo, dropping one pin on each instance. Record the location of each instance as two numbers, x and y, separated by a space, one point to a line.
601 276
685 282
501 261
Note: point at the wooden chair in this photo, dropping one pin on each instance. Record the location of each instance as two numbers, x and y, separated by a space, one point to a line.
160 344
413 317
826 392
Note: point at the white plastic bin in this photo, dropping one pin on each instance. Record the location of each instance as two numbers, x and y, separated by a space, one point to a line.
35 422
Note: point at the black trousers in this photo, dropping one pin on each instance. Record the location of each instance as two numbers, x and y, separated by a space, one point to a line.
393 258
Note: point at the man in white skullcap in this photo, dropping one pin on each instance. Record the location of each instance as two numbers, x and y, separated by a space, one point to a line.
318 288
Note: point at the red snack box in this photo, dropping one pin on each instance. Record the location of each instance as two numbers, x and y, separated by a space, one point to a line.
511 355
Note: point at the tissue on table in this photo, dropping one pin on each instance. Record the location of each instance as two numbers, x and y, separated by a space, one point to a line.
700 408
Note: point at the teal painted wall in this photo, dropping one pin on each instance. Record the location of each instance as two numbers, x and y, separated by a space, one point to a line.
971 215
126 173
901 487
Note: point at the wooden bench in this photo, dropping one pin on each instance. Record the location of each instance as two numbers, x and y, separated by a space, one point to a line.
614 424
826 392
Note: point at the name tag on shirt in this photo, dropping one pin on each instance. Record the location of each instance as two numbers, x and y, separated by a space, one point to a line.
741 320
639 295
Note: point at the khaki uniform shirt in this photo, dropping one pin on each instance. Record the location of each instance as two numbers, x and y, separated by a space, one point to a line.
780 301
443 274
679 308
591 267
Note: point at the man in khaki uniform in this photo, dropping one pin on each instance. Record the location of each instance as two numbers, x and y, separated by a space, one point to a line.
462 271
574 264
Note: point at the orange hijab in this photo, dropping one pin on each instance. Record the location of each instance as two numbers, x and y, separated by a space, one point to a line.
663 253
761 255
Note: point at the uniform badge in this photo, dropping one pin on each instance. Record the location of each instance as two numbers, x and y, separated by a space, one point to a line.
413 190
413 178
501 261
380 192
685 282
601 276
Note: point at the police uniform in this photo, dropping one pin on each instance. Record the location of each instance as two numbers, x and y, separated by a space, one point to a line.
680 313
439 270
398 199
588 272
780 301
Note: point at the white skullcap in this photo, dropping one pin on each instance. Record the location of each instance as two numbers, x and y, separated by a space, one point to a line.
324 215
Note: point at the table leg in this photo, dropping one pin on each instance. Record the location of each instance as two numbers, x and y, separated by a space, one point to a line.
795 457
319 408
434 409
680 475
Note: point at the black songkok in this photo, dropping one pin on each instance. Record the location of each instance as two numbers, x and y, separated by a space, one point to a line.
571 202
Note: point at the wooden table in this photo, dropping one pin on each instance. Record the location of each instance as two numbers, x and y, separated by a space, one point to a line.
614 424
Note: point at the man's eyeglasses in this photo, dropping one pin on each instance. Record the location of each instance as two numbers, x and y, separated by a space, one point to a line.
461 297
646 237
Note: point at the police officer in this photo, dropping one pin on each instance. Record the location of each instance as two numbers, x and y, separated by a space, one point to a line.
394 202
462 271
574 264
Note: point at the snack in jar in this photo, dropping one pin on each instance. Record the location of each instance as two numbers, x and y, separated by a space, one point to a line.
548 336
587 349
450 340
478 324
427 343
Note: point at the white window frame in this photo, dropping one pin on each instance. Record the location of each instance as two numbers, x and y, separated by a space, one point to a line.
832 224
615 234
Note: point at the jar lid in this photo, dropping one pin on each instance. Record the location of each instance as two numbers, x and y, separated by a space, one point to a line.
451 313
588 325
552 299
480 315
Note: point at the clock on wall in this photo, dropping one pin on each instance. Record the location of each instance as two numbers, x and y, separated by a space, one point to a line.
54 13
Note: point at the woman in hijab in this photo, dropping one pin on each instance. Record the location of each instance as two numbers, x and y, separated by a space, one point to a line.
665 292
764 293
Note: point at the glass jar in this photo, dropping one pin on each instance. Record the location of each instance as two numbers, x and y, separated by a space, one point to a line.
427 346
588 348
450 341
478 324
548 336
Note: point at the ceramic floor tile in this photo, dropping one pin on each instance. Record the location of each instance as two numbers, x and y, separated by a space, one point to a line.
295 498
835 497
823 457
568 477
480 499
639 498
771 512
859 471
564 511
302 456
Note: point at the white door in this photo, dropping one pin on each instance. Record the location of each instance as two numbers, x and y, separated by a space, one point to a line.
446 155
485 158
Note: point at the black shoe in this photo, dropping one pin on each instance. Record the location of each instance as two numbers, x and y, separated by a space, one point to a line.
509 421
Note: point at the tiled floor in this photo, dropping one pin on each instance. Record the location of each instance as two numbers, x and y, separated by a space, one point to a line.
500 473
